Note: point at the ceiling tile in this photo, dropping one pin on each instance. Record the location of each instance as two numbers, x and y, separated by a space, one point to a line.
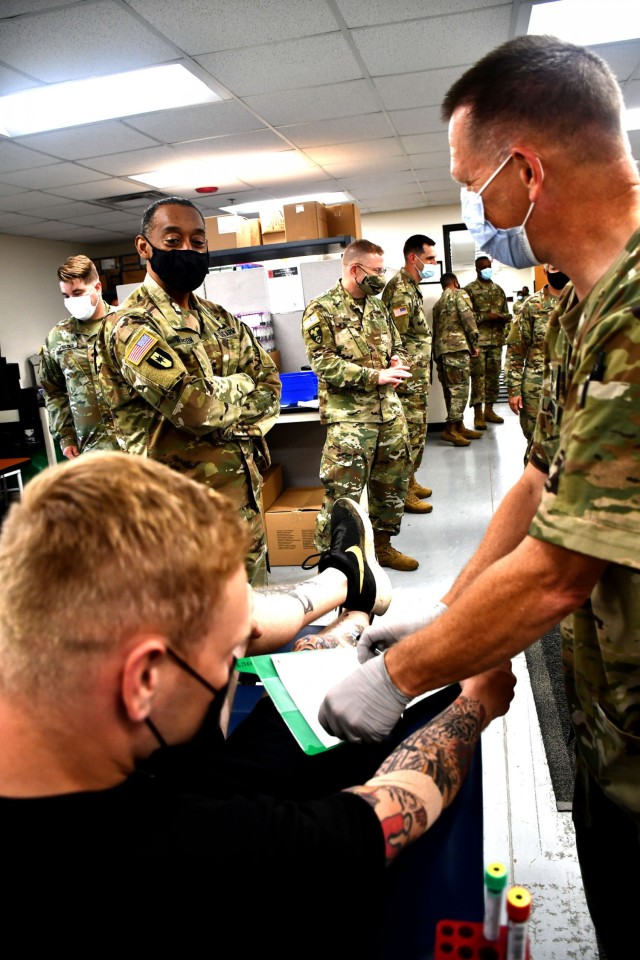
56 175
426 143
77 143
315 103
201 28
622 57
423 88
418 120
284 66
355 152
31 201
196 123
99 189
342 130
10 220
13 157
359 13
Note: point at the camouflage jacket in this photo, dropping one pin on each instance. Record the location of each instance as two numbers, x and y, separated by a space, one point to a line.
524 364
78 414
588 438
488 297
454 323
403 300
181 383
347 342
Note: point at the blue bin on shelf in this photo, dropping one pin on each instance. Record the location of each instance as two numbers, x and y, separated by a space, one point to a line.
302 385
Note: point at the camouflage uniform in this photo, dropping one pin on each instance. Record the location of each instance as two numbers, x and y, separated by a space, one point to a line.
403 300
78 415
518 305
487 297
524 364
193 389
588 439
455 335
347 342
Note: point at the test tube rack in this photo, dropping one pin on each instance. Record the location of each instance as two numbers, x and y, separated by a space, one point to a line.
460 940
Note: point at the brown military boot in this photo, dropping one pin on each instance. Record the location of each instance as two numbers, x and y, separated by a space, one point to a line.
388 556
451 434
478 419
414 504
490 416
422 492
469 434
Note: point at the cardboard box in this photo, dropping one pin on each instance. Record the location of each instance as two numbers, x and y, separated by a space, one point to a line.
221 235
279 237
249 234
290 523
272 219
343 220
271 485
305 221
133 276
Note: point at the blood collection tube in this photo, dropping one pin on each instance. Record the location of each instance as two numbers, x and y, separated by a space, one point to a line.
518 910
495 882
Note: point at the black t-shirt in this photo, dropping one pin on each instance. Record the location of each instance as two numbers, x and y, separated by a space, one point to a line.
178 867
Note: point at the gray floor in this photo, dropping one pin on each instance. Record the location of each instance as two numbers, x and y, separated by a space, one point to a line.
522 827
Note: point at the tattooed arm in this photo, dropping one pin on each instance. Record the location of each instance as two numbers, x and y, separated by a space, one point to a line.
425 772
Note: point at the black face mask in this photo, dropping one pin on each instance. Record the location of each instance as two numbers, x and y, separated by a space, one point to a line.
181 270
558 280
219 696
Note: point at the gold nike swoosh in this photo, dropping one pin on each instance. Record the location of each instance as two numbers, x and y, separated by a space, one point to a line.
357 552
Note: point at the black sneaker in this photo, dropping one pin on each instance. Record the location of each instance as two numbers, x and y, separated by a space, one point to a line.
352 552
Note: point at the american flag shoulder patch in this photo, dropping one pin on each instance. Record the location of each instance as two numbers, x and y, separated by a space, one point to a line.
400 311
140 347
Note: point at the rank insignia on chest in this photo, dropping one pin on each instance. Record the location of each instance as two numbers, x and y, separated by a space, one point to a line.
160 359
400 311
140 347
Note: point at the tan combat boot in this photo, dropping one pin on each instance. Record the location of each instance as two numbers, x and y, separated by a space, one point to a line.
422 492
478 419
388 556
413 504
469 434
452 435
490 416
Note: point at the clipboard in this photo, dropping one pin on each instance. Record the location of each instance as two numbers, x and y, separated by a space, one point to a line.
296 704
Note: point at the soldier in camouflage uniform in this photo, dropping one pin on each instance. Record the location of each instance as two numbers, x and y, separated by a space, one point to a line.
79 419
524 364
492 314
455 338
565 540
357 354
519 301
403 298
186 381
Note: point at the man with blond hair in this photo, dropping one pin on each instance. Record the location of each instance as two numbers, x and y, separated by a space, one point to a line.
357 353
79 418
127 817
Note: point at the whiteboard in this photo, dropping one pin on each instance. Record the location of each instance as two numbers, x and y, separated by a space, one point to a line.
238 291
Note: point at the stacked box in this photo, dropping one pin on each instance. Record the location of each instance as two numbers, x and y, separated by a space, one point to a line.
305 221
290 524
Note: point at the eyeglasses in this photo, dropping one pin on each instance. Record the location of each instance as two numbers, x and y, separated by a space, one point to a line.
379 272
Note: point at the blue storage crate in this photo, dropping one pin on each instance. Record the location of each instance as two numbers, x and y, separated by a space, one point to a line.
302 385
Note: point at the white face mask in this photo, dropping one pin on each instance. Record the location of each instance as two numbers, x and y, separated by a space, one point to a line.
510 246
80 307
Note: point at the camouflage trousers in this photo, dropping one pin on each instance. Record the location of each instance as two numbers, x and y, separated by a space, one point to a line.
371 455
485 375
530 403
416 412
453 374
231 469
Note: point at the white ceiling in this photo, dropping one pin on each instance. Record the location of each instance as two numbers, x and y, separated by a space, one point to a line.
353 87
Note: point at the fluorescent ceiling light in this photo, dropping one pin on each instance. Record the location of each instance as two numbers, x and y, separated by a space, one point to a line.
220 169
631 119
255 206
587 22
75 102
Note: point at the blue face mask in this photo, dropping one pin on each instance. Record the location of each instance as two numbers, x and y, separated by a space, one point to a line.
487 273
510 246
428 270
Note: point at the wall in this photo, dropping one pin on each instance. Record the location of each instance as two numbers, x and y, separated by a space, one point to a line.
30 300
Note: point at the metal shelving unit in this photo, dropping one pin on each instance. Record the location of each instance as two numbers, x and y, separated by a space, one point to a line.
277 251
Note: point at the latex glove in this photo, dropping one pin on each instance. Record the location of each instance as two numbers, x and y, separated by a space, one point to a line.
384 632
366 705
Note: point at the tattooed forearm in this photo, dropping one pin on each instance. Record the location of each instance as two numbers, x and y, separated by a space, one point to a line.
444 748
402 817
344 633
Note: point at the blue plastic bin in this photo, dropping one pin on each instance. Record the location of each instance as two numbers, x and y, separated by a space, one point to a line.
302 385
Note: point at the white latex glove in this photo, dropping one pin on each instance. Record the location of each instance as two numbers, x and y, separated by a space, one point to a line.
385 631
366 705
